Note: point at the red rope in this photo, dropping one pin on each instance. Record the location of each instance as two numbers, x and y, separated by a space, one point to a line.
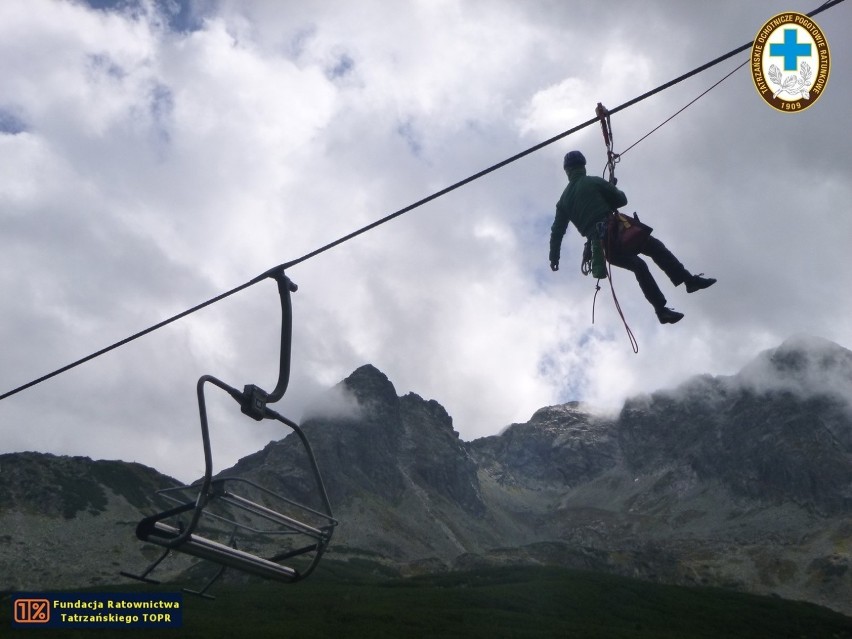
606 127
633 343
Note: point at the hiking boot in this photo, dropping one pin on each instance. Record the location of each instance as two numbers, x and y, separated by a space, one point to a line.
697 282
668 316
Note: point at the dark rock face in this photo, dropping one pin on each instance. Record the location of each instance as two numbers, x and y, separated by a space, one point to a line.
364 448
65 486
774 437
559 446
61 488
436 457
378 448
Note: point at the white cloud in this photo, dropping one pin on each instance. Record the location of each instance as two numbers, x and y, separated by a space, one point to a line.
151 169
550 108
337 402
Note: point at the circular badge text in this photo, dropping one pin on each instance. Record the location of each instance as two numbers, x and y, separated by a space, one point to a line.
790 62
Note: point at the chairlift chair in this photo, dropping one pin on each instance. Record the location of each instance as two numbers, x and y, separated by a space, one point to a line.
266 514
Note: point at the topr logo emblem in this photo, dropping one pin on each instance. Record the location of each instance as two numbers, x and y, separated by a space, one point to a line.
790 62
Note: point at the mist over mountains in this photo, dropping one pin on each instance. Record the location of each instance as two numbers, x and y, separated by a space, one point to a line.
743 482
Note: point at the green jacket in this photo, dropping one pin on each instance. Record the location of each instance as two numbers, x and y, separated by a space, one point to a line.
585 201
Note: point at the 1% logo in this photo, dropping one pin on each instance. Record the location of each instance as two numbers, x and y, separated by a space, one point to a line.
32 611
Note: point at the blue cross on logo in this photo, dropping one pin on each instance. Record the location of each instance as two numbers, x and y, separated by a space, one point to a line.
790 50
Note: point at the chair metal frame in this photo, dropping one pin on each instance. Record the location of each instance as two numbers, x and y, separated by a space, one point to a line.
159 529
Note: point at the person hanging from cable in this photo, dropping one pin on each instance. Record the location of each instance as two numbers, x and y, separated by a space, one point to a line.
590 203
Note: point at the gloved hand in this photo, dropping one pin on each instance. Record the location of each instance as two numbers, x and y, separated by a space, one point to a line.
613 180
554 266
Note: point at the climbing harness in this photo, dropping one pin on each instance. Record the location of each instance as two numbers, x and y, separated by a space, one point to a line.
299 531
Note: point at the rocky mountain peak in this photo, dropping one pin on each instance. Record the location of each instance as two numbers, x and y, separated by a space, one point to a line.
369 383
803 364
430 411
560 445
780 430
560 415
377 443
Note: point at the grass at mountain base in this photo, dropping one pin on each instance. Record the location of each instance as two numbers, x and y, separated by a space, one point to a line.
500 602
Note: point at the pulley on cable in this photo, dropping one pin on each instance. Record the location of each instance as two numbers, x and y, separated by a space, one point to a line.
612 158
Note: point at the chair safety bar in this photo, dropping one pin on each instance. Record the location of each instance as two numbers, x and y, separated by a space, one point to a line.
221 554
219 493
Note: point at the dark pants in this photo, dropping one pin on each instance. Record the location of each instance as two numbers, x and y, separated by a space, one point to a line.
663 258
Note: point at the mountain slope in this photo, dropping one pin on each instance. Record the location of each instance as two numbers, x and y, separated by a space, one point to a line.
399 478
742 481
66 521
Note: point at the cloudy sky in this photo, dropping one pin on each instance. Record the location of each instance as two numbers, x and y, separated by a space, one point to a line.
155 154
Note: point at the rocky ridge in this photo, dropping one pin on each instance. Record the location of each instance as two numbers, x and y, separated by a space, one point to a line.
742 482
